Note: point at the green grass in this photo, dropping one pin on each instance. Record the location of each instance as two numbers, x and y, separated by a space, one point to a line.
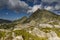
10 36
27 35
2 34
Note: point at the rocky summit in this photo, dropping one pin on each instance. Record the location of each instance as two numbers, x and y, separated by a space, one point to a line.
43 16
40 25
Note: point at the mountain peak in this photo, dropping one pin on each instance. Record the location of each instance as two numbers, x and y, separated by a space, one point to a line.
44 15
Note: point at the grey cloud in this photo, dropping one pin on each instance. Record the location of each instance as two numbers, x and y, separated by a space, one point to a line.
16 5
50 1
51 4
3 3
34 8
21 6
56 7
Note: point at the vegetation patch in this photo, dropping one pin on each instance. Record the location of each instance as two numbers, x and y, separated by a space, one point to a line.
28 36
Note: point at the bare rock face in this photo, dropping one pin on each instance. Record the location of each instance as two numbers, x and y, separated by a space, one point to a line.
38 32
52 36
18 38
46 25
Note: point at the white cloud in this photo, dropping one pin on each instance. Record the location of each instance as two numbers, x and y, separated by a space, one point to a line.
21 6
34 8
49 8
57 7
15 3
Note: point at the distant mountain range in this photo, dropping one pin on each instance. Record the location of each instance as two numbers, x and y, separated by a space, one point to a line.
4 21
22 20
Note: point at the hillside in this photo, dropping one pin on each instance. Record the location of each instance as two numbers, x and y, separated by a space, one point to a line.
22 20
5 24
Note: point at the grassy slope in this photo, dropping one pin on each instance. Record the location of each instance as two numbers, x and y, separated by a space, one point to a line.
27 35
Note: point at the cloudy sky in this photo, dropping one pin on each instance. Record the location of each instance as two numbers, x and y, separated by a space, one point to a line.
15 9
